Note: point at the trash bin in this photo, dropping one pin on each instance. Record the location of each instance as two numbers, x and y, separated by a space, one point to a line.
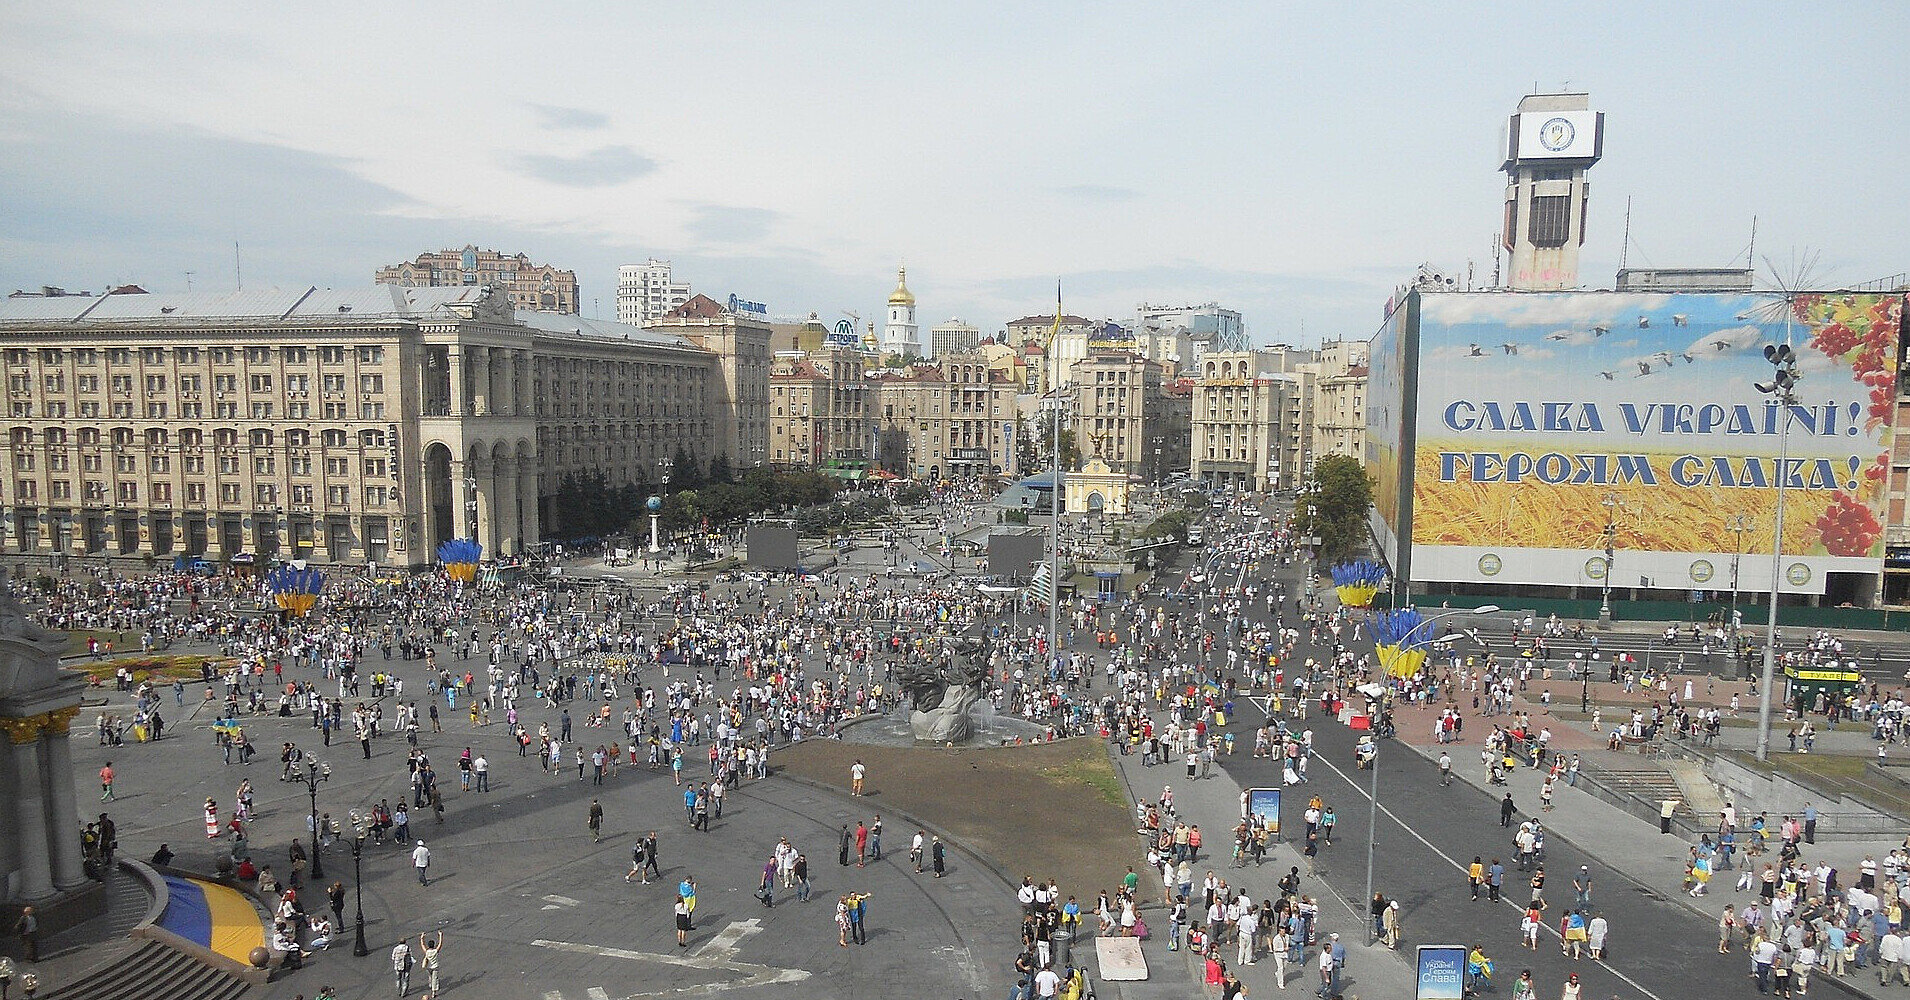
1061 944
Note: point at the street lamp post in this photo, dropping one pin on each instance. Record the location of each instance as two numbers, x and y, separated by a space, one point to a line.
1780 388
656 505
315 772
358 947
1372 795
1738 524
1611 503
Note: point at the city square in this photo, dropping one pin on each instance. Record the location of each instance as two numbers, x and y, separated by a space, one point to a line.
1069 502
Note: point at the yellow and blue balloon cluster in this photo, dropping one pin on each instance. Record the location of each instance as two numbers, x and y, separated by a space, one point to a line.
1357 582
295 590
1401 641
460 558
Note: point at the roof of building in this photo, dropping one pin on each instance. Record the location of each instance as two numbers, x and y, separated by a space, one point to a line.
698 306
364 302
361 302
579 326
901 296
1067 319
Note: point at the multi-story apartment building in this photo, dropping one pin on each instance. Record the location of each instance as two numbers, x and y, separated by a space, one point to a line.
1339 401
740 342
341 426
953 337
646 291
538 287
948 418
1245 422
821 412
1124 412
1069 345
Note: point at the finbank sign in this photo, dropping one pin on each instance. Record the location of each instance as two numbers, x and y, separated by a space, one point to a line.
742 305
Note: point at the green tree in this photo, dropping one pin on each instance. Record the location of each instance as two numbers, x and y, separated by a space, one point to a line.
720 471
685 473
1341 496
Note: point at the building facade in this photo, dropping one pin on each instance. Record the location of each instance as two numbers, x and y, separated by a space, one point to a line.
1238 409
536 287
342 426
1339 401
1124 411
953 337
646 291
948 418
741 345
821 412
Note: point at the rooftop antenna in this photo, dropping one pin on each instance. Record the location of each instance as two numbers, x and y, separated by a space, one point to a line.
1497 245
1750 256
238 274
1624 248
188 282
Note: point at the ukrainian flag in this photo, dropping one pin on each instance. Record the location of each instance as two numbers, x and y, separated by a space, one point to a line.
214 917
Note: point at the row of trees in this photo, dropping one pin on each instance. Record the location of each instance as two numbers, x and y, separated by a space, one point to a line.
589 505
758 491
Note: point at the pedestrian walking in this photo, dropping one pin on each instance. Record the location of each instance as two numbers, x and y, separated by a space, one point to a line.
939 854
106 782
429 950
856 773
401 967
421 860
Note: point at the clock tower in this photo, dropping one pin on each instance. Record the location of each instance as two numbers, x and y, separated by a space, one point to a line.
1551 142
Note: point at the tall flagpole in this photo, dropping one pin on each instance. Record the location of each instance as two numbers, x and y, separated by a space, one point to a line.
1055 504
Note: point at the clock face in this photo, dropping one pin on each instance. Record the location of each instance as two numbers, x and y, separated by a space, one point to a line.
1556 134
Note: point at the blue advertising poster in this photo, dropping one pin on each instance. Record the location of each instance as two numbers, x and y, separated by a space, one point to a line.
1442 972
1264 805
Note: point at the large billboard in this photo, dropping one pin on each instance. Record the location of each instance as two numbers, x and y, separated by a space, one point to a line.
1540 420
1391 358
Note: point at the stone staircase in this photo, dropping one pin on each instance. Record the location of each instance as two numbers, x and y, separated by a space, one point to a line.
1699 793
1647 783
154 970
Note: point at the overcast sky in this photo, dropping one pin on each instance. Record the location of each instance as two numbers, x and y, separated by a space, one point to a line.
1290 161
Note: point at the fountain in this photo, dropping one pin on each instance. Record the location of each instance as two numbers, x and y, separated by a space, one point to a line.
945 704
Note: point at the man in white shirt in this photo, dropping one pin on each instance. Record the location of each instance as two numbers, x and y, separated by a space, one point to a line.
1765 955
421 860
1889 958
1245 928
1047 984
1801 968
